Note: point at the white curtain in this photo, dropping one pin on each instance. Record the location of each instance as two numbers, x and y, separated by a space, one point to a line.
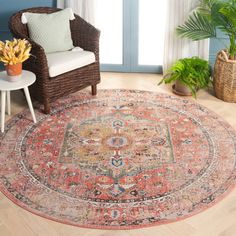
175 47
83 8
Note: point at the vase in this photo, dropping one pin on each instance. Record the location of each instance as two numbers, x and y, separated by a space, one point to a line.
181 89
14 72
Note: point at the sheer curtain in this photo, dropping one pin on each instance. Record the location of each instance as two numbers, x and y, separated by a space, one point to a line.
176 48
83 8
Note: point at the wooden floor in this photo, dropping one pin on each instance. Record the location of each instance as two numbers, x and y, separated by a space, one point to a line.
219 220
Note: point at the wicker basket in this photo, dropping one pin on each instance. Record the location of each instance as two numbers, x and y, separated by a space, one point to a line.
225 78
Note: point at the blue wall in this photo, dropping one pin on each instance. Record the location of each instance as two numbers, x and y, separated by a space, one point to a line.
216 44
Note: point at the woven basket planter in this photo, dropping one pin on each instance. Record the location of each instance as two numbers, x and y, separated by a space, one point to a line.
225 78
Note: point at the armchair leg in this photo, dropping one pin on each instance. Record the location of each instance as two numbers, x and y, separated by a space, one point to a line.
94 89
47 109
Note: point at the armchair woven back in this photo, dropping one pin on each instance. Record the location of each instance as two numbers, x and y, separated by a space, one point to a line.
18 28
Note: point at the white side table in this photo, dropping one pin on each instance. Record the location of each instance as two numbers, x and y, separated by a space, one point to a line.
6 87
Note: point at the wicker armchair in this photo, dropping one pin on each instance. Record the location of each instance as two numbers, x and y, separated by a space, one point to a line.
47 89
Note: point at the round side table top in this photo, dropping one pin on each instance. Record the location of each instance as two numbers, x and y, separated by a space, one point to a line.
27 78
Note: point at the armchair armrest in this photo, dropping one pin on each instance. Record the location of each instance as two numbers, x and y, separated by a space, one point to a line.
85 36
38 63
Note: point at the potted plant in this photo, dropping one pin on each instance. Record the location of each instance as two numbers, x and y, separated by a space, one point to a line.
13 54
189 75
203 23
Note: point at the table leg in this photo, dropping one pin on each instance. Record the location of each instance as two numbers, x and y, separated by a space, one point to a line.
26 90
8 103
3 107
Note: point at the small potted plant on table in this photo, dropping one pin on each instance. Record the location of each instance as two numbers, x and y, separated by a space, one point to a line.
189 75
13 54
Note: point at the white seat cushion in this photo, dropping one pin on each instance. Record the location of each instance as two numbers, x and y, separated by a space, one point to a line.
62 62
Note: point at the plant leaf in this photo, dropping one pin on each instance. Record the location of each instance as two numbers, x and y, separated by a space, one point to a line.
197 27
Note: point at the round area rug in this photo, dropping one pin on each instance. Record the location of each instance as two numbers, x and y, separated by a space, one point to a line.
120 160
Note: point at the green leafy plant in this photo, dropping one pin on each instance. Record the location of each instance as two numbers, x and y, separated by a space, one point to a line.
193 72
209 16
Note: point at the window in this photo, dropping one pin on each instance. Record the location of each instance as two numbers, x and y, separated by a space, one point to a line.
132 34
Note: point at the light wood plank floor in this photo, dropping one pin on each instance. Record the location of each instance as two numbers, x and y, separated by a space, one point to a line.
219 220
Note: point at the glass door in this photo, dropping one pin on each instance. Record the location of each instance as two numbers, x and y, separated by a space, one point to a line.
152 14
132 34
109 19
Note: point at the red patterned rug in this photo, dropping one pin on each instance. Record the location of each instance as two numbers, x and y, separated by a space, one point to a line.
121 160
